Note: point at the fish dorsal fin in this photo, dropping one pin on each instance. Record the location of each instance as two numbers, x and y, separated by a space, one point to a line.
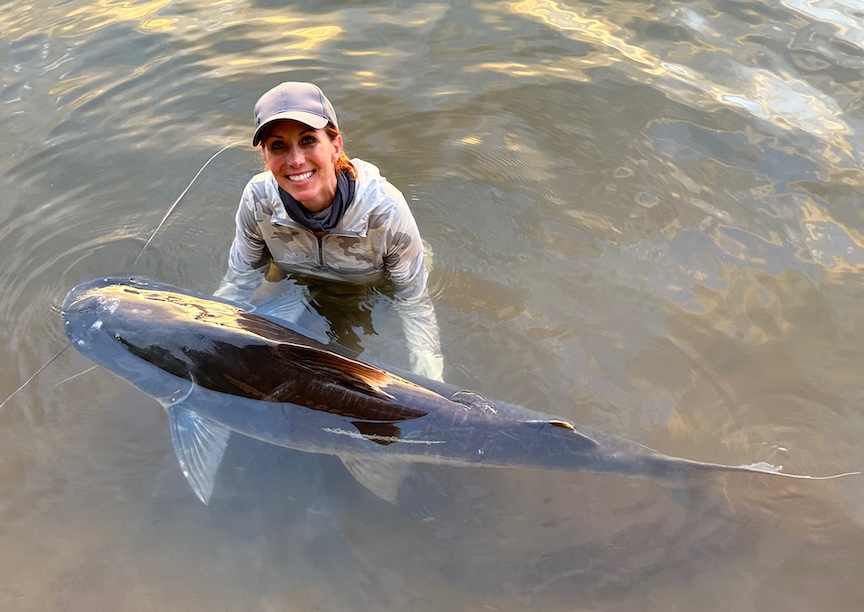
382 479
567 429
349 372
199 444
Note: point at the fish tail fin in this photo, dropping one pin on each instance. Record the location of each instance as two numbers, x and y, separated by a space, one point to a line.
761 467
199 444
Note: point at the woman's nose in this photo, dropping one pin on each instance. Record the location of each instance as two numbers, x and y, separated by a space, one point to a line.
294 156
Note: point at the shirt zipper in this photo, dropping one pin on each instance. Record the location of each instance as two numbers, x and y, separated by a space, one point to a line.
319 236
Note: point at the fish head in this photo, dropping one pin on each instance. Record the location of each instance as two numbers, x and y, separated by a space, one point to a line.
122 325
152 334
103 312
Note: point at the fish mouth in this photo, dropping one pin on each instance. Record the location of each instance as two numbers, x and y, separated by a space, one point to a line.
81 303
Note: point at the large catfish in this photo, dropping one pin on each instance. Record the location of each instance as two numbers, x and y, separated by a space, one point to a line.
218 368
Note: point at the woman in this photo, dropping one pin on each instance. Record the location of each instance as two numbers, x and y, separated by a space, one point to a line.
315 214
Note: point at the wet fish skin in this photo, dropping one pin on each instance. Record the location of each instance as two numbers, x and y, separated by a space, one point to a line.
218 368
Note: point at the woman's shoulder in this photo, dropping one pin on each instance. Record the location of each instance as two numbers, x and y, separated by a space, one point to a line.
261 178
372 185
262 185
366 171
377 203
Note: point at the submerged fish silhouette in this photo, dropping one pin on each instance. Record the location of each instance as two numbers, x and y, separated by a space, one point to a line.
217 368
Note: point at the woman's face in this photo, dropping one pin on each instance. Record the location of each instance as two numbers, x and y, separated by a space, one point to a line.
302 159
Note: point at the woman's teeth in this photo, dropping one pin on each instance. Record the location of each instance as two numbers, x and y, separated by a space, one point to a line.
299 178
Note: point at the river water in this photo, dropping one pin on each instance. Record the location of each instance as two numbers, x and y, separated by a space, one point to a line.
645 217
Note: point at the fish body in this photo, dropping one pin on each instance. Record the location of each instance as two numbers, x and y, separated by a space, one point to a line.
218 368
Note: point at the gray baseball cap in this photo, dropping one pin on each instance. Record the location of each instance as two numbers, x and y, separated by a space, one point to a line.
303 102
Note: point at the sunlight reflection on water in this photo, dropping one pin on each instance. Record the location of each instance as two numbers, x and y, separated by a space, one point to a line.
645 217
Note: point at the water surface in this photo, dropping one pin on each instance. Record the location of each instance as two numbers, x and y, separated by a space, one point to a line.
645 217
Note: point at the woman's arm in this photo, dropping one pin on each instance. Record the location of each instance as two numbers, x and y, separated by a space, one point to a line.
248 257
421 332
406 265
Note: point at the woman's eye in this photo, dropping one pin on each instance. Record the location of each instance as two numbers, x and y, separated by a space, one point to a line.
308 141
277 145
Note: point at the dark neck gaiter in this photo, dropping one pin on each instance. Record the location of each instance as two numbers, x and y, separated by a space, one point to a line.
345 185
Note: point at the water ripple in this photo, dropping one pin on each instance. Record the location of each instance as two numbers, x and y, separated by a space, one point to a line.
644 217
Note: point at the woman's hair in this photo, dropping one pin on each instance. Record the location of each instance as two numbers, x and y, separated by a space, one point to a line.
343 163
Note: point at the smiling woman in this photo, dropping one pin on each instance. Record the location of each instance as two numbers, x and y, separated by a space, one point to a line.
303 162
316 215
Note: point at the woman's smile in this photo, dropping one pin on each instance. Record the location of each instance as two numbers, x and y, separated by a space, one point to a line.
299 178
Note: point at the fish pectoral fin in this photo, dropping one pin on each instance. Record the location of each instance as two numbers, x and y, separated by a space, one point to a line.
384 479
199 444
567 429
342 370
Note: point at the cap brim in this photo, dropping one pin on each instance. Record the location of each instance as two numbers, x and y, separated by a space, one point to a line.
312 120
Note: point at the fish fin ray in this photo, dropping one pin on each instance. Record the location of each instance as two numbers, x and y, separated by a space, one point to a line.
350 372
382 479
199 444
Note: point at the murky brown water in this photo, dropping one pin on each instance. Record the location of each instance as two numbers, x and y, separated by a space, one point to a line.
646 217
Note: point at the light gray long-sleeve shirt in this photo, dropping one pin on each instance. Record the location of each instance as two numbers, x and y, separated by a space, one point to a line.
376 239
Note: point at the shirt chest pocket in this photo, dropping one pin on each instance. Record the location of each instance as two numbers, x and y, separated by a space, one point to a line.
351 254
291 246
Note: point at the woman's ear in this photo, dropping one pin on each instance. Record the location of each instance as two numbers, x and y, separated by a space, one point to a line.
337 147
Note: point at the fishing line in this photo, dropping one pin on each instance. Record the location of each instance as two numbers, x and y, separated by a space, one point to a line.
131 270
50 361
82 373
176 202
